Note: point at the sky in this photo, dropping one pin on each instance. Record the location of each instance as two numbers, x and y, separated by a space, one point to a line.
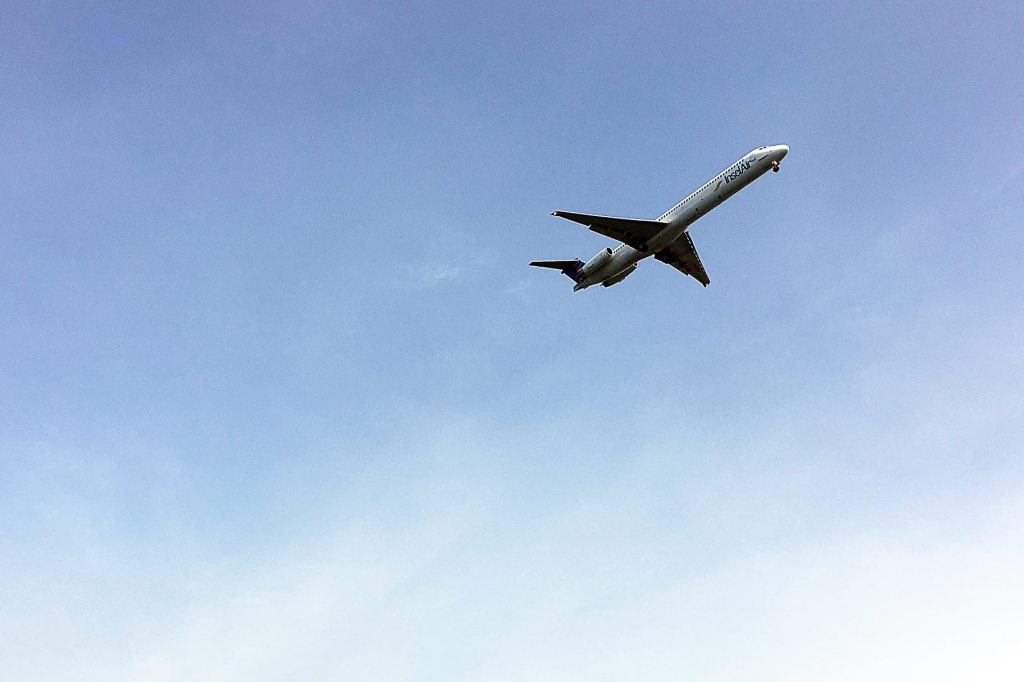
280 398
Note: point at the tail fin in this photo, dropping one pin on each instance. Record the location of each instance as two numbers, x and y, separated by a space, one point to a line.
569 268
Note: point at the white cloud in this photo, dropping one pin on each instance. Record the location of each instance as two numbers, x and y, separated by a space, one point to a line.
594 590
400 608
433 274
518 289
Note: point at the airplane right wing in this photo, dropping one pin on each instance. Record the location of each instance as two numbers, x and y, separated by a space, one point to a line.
631 231
682 255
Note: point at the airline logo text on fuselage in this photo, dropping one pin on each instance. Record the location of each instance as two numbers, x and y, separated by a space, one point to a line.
741 168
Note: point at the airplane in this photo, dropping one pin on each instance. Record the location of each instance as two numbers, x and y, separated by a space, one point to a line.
667 238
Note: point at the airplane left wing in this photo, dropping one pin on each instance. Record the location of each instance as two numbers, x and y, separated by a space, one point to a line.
631 231
682 255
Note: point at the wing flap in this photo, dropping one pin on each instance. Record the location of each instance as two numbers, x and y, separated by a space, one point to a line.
631 231
682 255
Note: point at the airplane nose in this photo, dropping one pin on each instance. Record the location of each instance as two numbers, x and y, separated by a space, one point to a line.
783 149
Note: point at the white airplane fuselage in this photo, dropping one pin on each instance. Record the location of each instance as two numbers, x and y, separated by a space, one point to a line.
621 261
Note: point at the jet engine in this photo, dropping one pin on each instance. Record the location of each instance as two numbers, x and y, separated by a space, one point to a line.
620 276
597 262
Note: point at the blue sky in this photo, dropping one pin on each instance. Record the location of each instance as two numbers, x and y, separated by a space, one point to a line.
280 399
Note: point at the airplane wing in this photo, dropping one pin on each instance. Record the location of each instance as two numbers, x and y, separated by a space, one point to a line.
682 255
631 231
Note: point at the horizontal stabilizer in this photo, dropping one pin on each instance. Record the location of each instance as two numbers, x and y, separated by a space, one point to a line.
631 231
556 264
569 268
